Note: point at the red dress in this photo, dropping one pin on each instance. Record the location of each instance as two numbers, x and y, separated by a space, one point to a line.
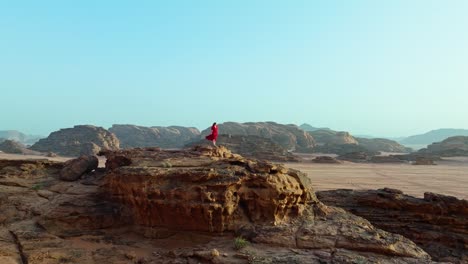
214 133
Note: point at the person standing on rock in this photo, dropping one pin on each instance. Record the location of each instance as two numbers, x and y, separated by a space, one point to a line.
214 134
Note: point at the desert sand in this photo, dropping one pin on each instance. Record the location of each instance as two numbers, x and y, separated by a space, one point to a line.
449 177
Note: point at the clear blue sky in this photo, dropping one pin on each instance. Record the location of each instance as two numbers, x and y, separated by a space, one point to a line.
386 68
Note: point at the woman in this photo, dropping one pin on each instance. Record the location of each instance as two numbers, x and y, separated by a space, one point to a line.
214 134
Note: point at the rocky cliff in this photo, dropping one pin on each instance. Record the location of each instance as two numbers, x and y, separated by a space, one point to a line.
450 147
79 140
290 137
138 209
255 147
438 223
132 136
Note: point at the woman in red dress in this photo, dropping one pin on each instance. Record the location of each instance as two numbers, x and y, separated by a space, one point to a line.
214 134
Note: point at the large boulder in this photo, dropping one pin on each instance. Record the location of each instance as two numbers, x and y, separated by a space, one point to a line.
205 189
132 136
438 223
79 140
73 169
290 137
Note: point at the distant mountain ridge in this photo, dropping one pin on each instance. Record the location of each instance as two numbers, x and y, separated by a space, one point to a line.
433 136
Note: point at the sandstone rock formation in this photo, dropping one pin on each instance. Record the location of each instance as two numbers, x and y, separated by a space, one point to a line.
79 140
330 141
289 137
132 136
210 189
252 147
206 189
438 223
323 137
14 147
450 147
382 144
133 213
73 169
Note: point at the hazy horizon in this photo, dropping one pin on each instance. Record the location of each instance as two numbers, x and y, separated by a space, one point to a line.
388 69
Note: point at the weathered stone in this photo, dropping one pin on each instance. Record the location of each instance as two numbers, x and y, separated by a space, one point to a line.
204 189
438 223
73 169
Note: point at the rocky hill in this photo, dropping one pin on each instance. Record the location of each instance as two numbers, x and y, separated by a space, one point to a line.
13 147
433 136
336 142
382 144
132 136
290 137
252 147
450 147
199 205
323 137
76 141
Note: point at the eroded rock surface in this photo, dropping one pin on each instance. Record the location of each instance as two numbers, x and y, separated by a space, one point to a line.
138 211
205 189
438 223
77 141
73 169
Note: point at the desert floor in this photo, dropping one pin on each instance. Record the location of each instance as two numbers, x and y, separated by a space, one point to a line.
449 177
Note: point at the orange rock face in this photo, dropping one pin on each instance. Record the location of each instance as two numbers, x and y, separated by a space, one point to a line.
204 189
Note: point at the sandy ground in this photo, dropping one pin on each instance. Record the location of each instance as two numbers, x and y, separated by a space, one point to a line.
449 177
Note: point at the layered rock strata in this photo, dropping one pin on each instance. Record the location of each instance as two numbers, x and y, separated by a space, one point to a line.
438 223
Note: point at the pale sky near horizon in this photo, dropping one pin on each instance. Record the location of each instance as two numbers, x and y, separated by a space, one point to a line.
383 68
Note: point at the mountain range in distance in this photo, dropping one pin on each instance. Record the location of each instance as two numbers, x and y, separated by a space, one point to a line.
414 141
